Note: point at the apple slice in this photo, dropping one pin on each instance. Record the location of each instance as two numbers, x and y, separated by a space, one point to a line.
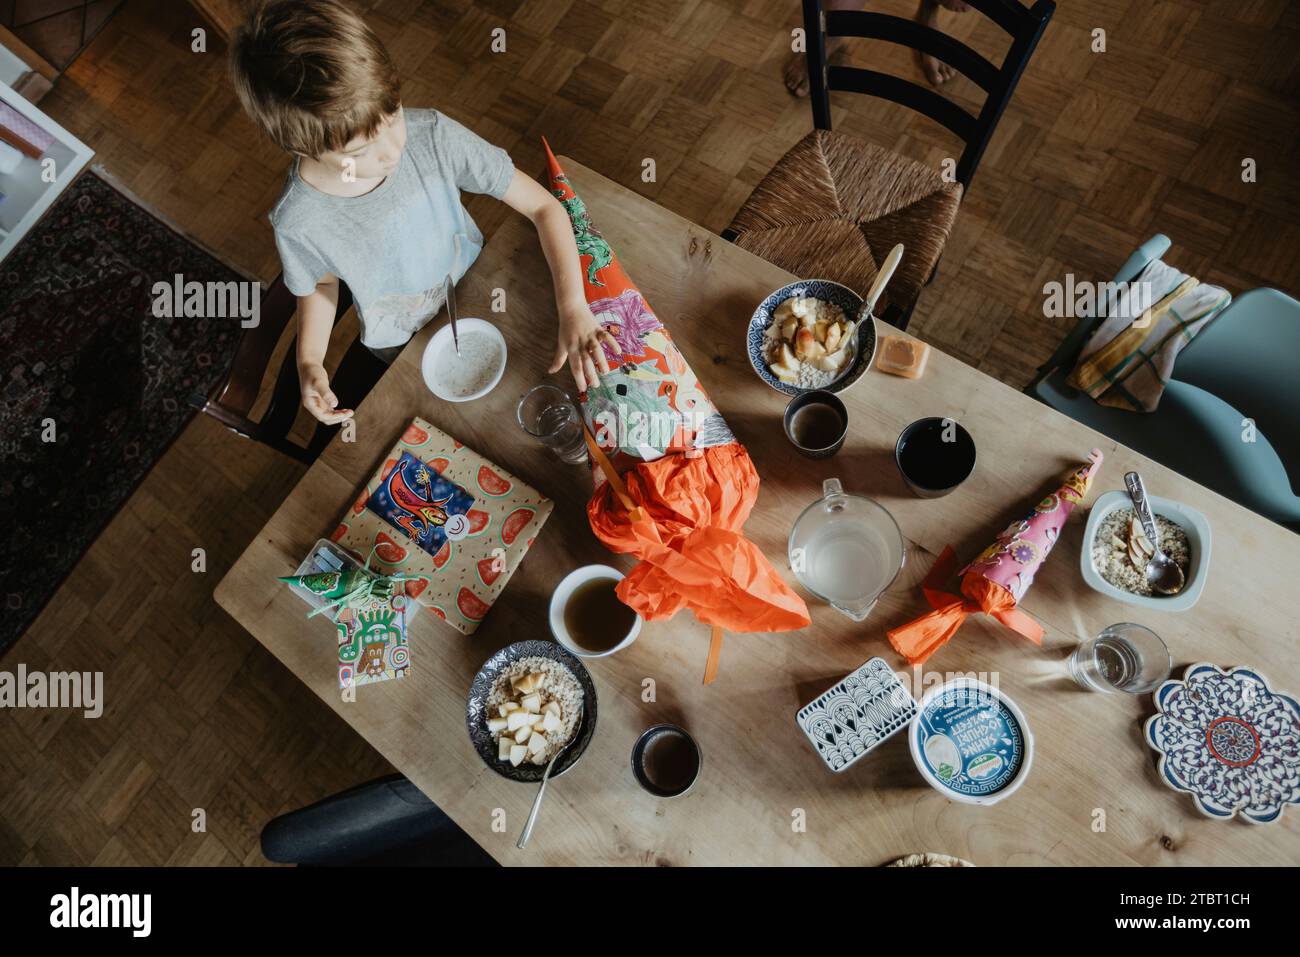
517 753
504 745
537 743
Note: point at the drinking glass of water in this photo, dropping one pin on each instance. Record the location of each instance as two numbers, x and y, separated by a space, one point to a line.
549 415
1124 657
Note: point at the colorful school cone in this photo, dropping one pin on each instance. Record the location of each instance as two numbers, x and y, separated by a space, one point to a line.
996 581
673 486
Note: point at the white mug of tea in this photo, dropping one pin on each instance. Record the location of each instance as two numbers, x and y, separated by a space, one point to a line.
587 617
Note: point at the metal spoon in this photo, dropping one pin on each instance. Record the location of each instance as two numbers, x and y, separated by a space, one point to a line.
451 311
546 776
883 276
1163 573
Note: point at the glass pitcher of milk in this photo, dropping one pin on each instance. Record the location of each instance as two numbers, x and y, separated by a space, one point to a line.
846 550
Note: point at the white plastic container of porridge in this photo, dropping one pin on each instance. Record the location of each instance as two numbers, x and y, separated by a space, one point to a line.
475 371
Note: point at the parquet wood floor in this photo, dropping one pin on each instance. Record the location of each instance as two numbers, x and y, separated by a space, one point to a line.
1096 152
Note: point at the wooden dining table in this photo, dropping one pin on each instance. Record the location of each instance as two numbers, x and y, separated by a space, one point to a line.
764 796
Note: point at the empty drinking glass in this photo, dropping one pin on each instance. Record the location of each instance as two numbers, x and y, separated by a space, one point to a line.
1124 657
549 415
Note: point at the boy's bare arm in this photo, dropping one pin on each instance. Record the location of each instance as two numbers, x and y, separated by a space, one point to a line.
580 336
315 321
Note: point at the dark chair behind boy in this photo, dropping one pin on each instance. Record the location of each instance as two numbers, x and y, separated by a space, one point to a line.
233 400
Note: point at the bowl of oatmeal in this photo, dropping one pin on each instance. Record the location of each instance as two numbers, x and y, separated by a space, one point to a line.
472 373
526 704
805 336
1113 547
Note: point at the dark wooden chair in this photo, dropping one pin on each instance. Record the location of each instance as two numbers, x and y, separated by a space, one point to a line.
834 206
231 401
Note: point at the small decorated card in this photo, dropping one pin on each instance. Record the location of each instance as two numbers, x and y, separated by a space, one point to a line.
372 643
417 500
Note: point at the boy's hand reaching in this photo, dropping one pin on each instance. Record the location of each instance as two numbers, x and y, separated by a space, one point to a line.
580 343
317 397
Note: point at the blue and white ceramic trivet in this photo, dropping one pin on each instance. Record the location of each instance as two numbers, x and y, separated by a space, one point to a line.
857 714
971 742
1229 741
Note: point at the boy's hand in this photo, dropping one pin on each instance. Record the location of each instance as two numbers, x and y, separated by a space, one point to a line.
580 343
317 397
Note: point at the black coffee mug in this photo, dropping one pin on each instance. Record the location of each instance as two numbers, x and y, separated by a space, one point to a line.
685 770
934 456
816 423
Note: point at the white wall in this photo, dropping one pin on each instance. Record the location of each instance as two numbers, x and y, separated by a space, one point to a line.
11 67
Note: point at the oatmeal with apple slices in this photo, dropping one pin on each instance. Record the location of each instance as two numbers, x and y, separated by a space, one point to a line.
533 710
809 342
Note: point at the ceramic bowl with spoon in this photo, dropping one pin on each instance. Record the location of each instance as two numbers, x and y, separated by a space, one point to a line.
850 305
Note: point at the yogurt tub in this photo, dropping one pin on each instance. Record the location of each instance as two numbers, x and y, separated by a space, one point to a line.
472 374
970 742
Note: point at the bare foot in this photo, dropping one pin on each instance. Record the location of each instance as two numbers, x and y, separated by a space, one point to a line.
796 68
927 14
796 74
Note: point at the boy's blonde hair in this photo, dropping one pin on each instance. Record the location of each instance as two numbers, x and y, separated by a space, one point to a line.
312 74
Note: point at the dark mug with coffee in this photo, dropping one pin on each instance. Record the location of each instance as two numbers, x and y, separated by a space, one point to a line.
666 760
934 455
816 423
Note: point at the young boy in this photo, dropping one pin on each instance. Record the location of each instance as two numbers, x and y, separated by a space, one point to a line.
373 195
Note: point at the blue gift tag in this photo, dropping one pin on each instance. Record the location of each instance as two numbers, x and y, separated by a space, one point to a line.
418 502
968 741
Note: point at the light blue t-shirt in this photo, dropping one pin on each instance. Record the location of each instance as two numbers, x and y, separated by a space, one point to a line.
395 245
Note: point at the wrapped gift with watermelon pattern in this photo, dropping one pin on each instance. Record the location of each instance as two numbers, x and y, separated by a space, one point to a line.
478 543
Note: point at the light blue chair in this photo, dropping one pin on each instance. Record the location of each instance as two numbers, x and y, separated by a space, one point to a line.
1245 365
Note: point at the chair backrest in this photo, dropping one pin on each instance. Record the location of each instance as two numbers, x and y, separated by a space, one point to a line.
1024 26
1248 358
231 400
1067 353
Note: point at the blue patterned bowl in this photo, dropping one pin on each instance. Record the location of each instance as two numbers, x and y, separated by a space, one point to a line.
829 291
1230 741
476 709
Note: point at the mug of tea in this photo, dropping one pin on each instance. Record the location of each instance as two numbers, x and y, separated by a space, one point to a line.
934 456
666 760
587 617
816 423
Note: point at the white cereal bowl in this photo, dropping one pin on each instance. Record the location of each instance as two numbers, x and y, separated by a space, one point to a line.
442 341
1189 519
560 598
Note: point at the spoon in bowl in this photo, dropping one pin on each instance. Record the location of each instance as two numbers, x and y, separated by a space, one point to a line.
1163 573
883 275
546 776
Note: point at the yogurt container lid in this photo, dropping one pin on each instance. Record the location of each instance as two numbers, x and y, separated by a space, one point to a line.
970 742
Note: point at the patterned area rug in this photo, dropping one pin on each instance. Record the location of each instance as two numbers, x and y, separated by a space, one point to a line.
83 360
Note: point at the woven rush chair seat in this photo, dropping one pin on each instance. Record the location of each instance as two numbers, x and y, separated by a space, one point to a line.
834 206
